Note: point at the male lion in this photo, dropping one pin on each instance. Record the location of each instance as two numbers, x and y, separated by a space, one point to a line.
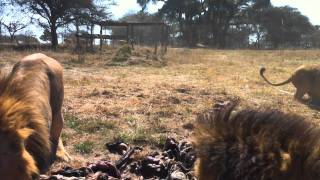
31 121
307 81
256 145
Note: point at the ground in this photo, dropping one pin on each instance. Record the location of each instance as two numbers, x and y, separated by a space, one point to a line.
145 103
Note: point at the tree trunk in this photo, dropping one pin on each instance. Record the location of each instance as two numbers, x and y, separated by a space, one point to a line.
222 39
91 39
11 38
258 39
78 46
0 31
54 36
224 33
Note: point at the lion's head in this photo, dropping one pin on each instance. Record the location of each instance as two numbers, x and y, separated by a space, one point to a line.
15 161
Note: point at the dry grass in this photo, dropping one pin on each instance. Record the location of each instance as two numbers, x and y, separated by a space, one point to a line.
144 104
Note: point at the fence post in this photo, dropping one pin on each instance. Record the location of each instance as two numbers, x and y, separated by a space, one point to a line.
101 42
127 33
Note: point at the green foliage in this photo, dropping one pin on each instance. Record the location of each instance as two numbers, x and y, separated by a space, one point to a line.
285 25
45 35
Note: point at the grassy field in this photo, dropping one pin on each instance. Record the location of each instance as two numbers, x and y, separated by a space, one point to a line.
144 104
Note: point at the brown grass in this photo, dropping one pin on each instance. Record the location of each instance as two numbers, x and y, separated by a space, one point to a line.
144 104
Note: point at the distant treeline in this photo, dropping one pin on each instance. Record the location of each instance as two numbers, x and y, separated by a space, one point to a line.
19 39
236 24
204 23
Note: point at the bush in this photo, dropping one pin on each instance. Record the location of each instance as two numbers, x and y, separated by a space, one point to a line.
122 54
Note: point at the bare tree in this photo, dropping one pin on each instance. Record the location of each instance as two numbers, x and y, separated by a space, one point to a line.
12 28
2 6
55 13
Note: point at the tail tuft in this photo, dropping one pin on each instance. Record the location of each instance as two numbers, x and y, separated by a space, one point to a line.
262 70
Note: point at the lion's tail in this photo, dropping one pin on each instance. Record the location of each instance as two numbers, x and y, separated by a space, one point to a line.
253 145
262 70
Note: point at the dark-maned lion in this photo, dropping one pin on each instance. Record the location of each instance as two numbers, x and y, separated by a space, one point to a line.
31 121
306 79
256 145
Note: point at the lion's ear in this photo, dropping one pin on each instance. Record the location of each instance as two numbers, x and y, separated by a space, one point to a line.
24 133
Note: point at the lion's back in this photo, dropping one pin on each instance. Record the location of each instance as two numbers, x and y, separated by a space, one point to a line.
53 64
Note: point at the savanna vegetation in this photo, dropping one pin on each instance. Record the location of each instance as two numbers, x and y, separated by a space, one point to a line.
143 104
216 49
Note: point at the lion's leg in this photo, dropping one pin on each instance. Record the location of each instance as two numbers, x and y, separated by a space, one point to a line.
299 95
56 129
62 153
314 100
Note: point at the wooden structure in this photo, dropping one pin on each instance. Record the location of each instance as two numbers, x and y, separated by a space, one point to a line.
129 36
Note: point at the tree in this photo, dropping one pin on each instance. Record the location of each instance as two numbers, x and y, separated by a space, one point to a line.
12 28
55 13
144 3
206 20
315 37
2 6
45 35
87 17
221 15
28 38
183 17
234 23
285 26
187 15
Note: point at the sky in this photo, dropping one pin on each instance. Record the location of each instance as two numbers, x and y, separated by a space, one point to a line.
131 6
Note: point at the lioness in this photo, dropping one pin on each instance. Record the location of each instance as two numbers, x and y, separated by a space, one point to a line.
31 121
254 144
307 81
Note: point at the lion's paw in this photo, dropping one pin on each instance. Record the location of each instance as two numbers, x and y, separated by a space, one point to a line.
62 155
